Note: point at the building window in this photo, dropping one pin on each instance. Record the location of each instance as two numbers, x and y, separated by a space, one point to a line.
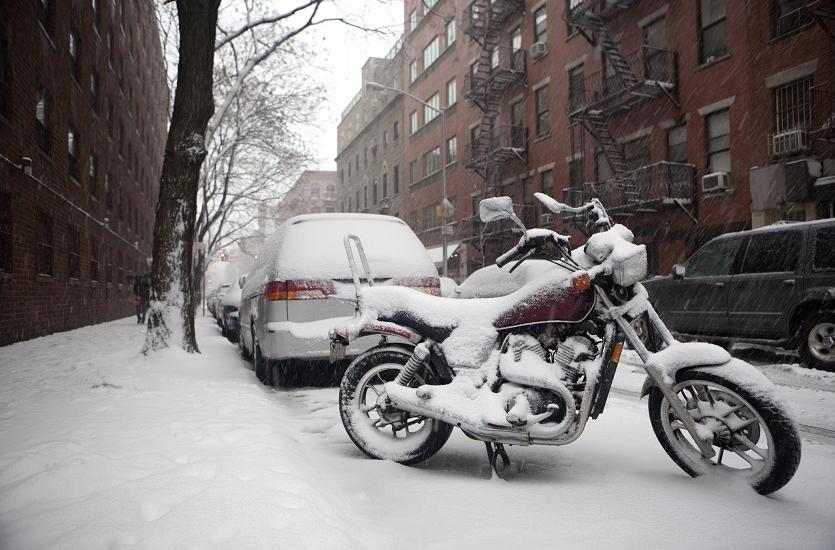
430 217
451 149
6 249
94 91
413 70
431 52
576 88
548 182
94 175
45 243
516 40
365 197
349 205
433 108
385 138
543 120
42 113
108 258
395 179
413 122
72 151
357 199
94 259
712 41
396 131
677 144
655 51
374 198
451 93
385 185
413 171
719 141
412 20
450 32
73 253
75 55
793 106
314 192
432 161
789 15
540 25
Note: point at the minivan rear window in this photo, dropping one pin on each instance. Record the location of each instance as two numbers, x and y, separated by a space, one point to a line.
772 252
823 251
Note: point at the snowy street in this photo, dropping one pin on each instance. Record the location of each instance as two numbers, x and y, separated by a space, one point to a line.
102 448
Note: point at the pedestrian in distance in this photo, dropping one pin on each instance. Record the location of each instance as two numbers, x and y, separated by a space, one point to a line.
141 295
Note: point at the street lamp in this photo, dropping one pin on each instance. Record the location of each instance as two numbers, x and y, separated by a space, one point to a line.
445 203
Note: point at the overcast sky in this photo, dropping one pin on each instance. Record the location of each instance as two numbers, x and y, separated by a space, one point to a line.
343 53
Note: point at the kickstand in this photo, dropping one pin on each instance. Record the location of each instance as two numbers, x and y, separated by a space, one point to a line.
494 452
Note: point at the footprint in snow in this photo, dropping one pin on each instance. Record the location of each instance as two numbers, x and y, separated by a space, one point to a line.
152 511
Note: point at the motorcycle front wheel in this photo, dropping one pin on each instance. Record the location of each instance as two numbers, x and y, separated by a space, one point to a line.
378 429
752 434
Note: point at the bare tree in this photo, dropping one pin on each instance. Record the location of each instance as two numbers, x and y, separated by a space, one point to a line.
195 121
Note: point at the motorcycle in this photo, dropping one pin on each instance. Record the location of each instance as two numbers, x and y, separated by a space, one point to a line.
532 367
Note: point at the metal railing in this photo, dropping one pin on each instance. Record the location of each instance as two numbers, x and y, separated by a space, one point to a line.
576 11
505 141
488 15
650 66
658 182
506 67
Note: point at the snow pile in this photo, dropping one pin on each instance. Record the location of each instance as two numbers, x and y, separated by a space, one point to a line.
101 447
492 280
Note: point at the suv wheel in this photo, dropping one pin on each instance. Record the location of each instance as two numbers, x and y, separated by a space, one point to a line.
817 342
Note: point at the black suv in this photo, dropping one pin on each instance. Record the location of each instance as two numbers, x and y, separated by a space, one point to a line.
774 285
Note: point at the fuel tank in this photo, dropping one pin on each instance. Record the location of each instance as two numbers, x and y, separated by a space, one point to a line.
552 303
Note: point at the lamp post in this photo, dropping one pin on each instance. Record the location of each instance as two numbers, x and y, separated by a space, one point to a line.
376 86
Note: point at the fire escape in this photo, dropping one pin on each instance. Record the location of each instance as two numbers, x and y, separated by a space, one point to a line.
625 81
498 67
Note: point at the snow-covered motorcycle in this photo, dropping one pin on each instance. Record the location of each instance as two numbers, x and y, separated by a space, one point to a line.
532 367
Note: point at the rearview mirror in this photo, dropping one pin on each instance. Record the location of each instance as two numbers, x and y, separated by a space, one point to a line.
678 271
496 208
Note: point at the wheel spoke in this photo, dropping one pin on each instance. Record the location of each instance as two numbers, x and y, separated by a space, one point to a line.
743 455
721 454
748 443
733 410
368 408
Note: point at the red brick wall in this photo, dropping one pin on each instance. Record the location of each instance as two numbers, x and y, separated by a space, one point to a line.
34 304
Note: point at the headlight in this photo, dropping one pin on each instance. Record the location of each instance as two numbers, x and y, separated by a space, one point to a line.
629 268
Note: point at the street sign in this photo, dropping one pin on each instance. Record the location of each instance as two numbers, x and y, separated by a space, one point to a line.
446 230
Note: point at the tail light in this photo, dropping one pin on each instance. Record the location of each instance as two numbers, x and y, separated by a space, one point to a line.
429 285
299 290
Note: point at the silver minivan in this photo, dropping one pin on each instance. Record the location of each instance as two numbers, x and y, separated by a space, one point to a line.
301 286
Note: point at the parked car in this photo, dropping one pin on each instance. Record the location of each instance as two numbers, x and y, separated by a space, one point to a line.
774 285
214 298
228 308
301 286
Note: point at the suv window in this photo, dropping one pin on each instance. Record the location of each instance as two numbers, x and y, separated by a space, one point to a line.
823 253
772 252
715 258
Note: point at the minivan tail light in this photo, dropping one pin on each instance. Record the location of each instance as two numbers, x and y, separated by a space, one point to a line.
429 285
299 290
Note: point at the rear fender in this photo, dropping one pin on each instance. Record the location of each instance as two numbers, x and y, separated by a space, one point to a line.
383 328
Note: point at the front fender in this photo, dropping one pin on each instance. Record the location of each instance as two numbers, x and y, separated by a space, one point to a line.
737 371
682 355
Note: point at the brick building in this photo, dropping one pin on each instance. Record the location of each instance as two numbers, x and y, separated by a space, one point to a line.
688 119
369 157
83 96
315 191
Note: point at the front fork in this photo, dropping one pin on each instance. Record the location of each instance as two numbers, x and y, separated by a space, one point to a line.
654 372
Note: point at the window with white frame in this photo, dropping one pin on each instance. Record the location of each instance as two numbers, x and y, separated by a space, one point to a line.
793 106
413 122
713 40
450 32
451 93
413 70
412 20
432 161
433 108
540 25
431 52
451 149
677 143
719 141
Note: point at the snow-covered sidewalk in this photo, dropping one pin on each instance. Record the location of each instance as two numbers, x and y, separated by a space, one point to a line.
103 448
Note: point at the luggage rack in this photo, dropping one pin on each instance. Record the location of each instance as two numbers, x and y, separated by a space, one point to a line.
352 262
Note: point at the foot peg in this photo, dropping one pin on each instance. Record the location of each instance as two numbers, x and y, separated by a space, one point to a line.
494 452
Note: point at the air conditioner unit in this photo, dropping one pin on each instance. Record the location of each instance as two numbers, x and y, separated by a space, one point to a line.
539 49
546 219
717 181
789 142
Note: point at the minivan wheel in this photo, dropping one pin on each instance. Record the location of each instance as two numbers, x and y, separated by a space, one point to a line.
817 342
262 365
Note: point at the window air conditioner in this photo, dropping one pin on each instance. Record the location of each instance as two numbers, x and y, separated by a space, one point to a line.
717 181
789 142
539 49
546 219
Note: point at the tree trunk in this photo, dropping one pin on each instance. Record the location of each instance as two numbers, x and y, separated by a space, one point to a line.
171 277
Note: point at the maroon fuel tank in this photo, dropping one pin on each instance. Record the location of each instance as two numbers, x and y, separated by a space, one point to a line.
552 303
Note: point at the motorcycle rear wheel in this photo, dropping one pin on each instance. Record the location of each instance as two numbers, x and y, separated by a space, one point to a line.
753 436
377 429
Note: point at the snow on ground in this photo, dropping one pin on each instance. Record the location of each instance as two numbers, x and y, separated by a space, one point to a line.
102 448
